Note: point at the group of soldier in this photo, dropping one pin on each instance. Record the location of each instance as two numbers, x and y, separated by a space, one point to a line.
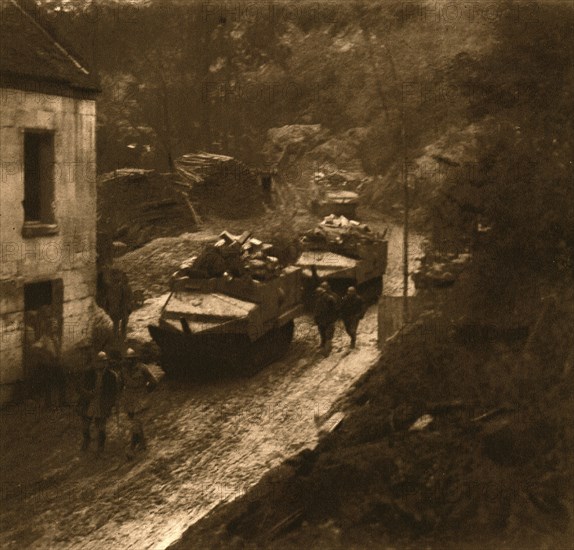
329 308
121 382
115 382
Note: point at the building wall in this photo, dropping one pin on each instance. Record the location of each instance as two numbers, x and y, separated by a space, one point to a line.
71 253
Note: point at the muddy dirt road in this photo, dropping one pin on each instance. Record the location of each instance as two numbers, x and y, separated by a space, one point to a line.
207 444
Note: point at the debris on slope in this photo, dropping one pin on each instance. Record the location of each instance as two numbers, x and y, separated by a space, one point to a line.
339 156
150 267
299 140
289 143
449 159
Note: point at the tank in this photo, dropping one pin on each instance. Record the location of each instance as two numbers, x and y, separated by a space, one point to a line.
340 203
344 253
332 195
222 326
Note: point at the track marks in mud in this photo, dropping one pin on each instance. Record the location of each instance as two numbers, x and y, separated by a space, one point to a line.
208 444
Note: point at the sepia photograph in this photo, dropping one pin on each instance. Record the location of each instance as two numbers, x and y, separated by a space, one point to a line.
287 274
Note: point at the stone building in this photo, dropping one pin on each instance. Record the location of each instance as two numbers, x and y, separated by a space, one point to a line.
47 193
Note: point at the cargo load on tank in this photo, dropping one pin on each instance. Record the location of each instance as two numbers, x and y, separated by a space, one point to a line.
345 253
231 310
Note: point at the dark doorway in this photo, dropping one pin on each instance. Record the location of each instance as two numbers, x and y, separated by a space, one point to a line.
266 183
43 310
266 180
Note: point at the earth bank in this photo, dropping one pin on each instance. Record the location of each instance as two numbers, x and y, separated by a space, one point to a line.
457 438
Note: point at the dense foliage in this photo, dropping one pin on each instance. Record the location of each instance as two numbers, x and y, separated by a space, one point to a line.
523 188
183 76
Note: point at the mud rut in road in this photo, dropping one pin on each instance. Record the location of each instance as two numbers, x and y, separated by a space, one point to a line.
207 444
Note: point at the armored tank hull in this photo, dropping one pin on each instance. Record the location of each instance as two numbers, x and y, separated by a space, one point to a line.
343 256
340 203
213 328
213 356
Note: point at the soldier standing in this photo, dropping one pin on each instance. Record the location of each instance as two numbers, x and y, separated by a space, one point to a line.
117 302
50 372
137 381
352 311
97 397
325 315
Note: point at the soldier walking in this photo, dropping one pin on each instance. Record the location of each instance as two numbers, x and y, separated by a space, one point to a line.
137 382
98 395
325 315
352 311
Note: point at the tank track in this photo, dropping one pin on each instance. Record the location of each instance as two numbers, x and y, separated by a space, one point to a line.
214 356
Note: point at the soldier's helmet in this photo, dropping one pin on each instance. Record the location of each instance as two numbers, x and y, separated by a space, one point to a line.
325 285
130 354
352 290
102 357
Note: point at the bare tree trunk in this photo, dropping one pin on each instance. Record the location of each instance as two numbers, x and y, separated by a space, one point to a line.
405 246
406 204
163 96
363 19
376 74
166 122
376 69
204 77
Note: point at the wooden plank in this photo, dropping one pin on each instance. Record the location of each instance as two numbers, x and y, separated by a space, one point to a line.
332 423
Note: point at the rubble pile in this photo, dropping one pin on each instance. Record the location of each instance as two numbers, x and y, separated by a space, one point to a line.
233 256
255 255
221 185
341 234
440 271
